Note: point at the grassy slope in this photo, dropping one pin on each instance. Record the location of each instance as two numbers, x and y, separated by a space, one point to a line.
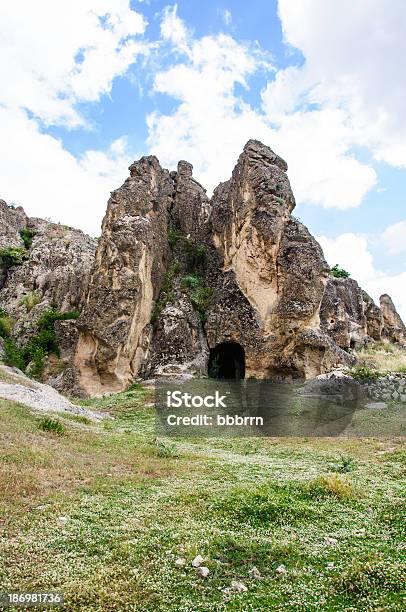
134 505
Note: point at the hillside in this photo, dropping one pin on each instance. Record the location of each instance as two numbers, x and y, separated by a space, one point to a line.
113 517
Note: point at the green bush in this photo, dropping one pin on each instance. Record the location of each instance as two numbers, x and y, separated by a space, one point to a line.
201 298
339 272
39 346
166 450
30 300
346 464
166 294
195 256
199 294
51 425
6 324
363 373
13 355
174 236
13 256
27 236
191 282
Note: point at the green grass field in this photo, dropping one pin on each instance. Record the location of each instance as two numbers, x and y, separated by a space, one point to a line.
102 512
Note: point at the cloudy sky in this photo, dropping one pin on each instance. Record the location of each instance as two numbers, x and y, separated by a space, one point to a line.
89 85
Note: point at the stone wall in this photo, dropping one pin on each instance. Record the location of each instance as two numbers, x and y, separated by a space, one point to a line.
391 387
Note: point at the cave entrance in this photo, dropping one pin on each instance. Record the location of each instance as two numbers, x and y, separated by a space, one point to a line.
227 361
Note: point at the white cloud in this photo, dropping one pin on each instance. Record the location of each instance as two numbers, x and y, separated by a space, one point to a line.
351 252
173 29
212 122
38 173
394 238
354 60
59 54
227 17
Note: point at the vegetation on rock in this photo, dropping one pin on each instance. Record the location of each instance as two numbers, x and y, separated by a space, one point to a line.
12 256
27 236
31 356
30 300
339 272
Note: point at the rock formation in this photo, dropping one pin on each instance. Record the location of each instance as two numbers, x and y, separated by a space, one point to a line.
181 284
352 319
176 275
394 329
54 268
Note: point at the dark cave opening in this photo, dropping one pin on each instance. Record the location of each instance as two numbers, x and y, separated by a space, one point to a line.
227 361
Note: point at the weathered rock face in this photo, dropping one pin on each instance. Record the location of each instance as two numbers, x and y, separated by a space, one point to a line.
342 312
394 329
179 282
55 270
126 277
351 318
175 275
275 272
12 220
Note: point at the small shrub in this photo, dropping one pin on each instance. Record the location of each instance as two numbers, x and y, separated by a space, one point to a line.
6 324
51 425
48 318
191 282
201 298
166 294
27 236
332 485
166 450
30 300
14 256
40 345
195 256
363 373
36 365
339 272
13 355
371 575
346 464
174 236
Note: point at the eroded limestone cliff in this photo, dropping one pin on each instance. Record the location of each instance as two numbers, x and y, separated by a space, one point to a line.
177 282
177 274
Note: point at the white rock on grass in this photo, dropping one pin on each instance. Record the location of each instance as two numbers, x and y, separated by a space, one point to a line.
202 571
281 570
38 396
62 520
238 587
197 561
255 573
180 562
331 541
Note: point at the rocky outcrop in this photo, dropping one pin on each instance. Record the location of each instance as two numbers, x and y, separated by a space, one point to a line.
394 329
273 272
54 269
12 221
342 312
17 387
180 283
352 319
127 274
175 275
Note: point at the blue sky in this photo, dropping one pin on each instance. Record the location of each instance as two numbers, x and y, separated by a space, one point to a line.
89 86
